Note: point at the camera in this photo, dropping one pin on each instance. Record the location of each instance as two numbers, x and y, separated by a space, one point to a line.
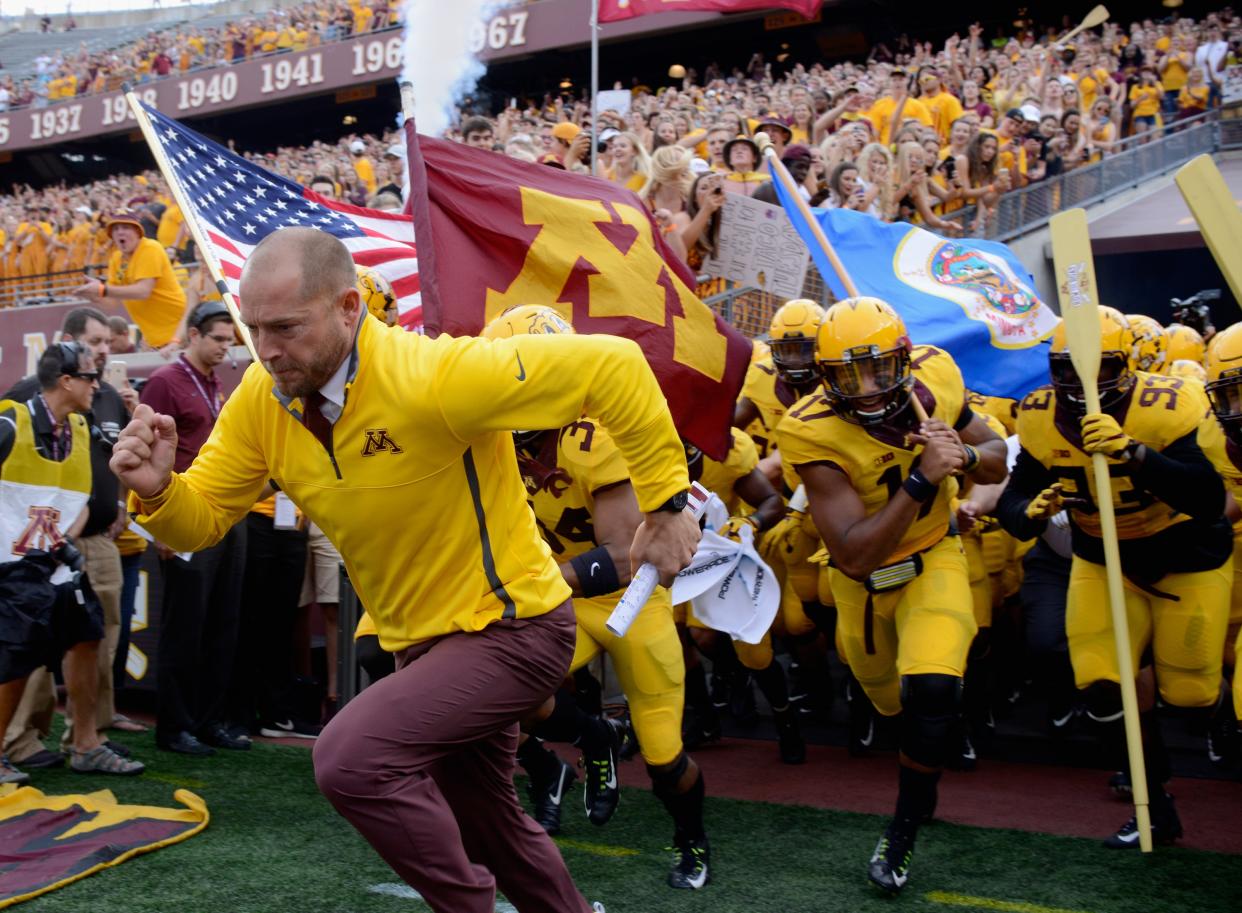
1194 311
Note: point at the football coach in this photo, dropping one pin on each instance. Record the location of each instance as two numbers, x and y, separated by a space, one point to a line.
399 447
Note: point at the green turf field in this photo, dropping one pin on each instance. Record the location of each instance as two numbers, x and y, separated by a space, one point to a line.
275 846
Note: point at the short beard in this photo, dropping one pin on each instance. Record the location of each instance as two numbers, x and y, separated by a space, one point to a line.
315 374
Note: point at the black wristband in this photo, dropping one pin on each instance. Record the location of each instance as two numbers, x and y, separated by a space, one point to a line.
972 458
597 574
918 487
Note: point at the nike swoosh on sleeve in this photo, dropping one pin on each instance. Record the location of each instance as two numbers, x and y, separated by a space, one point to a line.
521 367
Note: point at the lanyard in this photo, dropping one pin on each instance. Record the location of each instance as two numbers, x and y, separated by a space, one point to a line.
60 432
212 407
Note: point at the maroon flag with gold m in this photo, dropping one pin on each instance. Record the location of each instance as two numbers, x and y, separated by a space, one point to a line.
494 232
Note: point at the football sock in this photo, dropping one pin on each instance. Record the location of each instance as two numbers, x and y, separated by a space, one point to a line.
686 809
916 795
570 723
772 683
696 688
540 762
1155 761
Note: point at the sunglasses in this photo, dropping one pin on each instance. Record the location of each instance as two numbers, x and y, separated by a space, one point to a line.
88 376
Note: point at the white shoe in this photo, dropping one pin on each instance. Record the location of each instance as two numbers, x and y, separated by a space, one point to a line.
598 907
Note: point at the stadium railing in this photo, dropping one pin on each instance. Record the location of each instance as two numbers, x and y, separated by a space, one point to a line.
45 288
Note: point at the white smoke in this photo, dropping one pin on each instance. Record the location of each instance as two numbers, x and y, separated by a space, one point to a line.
438 58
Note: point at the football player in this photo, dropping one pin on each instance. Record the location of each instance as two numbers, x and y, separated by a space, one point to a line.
738 482
787 374
880 483
772 385
579 488
1176 546
1221 439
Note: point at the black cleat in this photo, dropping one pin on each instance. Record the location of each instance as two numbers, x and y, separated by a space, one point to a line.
1222 740
547 798
629 738
691 859
699 727
889 867
601 793
1119 783
1166 828
789 740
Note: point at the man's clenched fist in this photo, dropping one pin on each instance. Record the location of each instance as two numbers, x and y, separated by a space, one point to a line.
143 455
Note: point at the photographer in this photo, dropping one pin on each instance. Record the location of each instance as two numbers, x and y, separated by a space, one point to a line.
47 608
108 414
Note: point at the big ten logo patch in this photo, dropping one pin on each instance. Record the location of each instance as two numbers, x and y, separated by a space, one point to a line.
379 441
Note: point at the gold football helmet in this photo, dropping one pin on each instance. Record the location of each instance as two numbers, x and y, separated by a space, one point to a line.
1115 377
792 340
863 355
1150 349
527 320
377 295
1224 380
1185 369
1185 343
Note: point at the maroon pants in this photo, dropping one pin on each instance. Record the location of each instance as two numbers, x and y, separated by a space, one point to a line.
421 763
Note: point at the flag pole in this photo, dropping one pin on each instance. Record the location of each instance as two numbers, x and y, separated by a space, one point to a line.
781 173
205 251
594 84
407 102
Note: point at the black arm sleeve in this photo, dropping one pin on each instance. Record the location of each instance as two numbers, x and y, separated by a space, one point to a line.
1028 478
964 418
1182 477
8 433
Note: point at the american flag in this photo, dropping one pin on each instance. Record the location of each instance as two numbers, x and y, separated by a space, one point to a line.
238 204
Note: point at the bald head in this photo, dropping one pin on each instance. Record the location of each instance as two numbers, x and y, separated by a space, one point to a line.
323 263
299 299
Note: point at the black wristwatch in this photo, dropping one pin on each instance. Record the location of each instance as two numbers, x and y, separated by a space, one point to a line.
675 504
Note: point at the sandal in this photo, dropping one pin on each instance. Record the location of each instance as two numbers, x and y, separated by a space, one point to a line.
103 760
125 724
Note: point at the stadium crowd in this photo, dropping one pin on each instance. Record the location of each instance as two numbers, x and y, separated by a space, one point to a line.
178 50
911 134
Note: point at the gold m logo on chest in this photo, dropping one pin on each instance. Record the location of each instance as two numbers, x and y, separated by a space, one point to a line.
379 441
42 532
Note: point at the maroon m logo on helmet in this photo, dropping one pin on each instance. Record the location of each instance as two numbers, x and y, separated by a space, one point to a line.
42 532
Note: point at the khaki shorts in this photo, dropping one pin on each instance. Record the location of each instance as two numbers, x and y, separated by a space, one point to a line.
322 583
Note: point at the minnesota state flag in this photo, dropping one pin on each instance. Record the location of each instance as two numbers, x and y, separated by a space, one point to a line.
494 232
972 298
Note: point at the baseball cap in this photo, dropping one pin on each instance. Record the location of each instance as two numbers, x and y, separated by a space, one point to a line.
796 153
396 150
357 146
1016 114
566 131
1031 113
206 311
608 133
